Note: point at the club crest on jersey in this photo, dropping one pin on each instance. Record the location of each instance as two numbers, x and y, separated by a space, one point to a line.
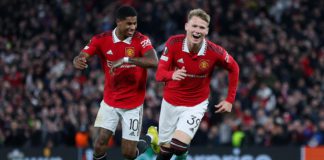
204 64
129 52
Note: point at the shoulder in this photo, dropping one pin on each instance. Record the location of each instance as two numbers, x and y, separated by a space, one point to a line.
212 47
139 36
141 39
103 35
176 39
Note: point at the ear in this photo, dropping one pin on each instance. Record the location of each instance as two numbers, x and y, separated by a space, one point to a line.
186 26
118 21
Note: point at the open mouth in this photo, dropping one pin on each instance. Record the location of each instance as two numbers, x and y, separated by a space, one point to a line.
130 32
196 35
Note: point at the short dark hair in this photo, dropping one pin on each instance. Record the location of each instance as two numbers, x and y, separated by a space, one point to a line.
125 11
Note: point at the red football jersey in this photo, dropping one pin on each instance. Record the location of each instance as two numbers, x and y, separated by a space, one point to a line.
199 66
126 87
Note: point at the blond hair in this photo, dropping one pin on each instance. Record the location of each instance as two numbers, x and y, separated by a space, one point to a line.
199 13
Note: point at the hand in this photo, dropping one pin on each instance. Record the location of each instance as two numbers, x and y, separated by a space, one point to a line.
223 106
179 74
80 62
115 64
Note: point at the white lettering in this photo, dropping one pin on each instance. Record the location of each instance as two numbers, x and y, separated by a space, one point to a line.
127 66
228 157
164 58
196 76
146 43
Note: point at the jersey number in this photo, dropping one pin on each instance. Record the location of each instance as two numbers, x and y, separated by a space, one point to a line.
133 124
194 121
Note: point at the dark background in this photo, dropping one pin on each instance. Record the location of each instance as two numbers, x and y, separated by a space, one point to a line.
278 44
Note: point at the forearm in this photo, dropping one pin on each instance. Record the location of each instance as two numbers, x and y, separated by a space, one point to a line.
233 81
80 61
82 55
149 60
163 75
143 62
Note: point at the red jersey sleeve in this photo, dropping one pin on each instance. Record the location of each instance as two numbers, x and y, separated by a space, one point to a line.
146 45
92 47
228 62
164 72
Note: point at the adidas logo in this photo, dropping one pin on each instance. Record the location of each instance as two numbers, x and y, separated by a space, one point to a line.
109 52
132 134
180 60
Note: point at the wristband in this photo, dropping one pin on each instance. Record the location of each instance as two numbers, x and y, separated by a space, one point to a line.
126 59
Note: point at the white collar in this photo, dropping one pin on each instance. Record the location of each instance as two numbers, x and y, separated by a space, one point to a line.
202 50
128 40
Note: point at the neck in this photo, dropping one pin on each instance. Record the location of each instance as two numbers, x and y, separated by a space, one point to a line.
120 35
194 47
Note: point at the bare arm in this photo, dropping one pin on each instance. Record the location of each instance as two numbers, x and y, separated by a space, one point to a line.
149 60
80 61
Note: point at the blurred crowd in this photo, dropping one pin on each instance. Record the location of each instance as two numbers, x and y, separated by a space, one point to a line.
278 44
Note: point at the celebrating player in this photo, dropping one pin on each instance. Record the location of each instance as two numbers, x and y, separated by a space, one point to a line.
186 67
125 54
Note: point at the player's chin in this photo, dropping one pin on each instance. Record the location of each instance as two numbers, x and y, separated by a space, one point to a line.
196 41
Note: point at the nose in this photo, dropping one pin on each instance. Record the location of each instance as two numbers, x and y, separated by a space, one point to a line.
197 30
133 26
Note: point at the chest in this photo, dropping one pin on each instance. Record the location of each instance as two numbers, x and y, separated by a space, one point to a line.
114 51
194 64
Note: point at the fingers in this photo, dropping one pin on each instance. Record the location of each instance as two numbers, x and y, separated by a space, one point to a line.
112 70
220 109
179 74
80 62
109 63
178 77
218 105
117 63
113 65
223 107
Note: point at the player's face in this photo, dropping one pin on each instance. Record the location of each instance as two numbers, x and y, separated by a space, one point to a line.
196 29
127 26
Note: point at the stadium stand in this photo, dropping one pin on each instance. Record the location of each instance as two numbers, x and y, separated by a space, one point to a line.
279 46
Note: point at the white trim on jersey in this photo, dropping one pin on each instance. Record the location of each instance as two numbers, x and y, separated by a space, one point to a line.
202 50
128 40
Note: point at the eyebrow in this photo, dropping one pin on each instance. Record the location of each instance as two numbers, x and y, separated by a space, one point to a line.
131 22
200 26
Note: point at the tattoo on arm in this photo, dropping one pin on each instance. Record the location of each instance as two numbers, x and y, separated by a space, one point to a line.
149 60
